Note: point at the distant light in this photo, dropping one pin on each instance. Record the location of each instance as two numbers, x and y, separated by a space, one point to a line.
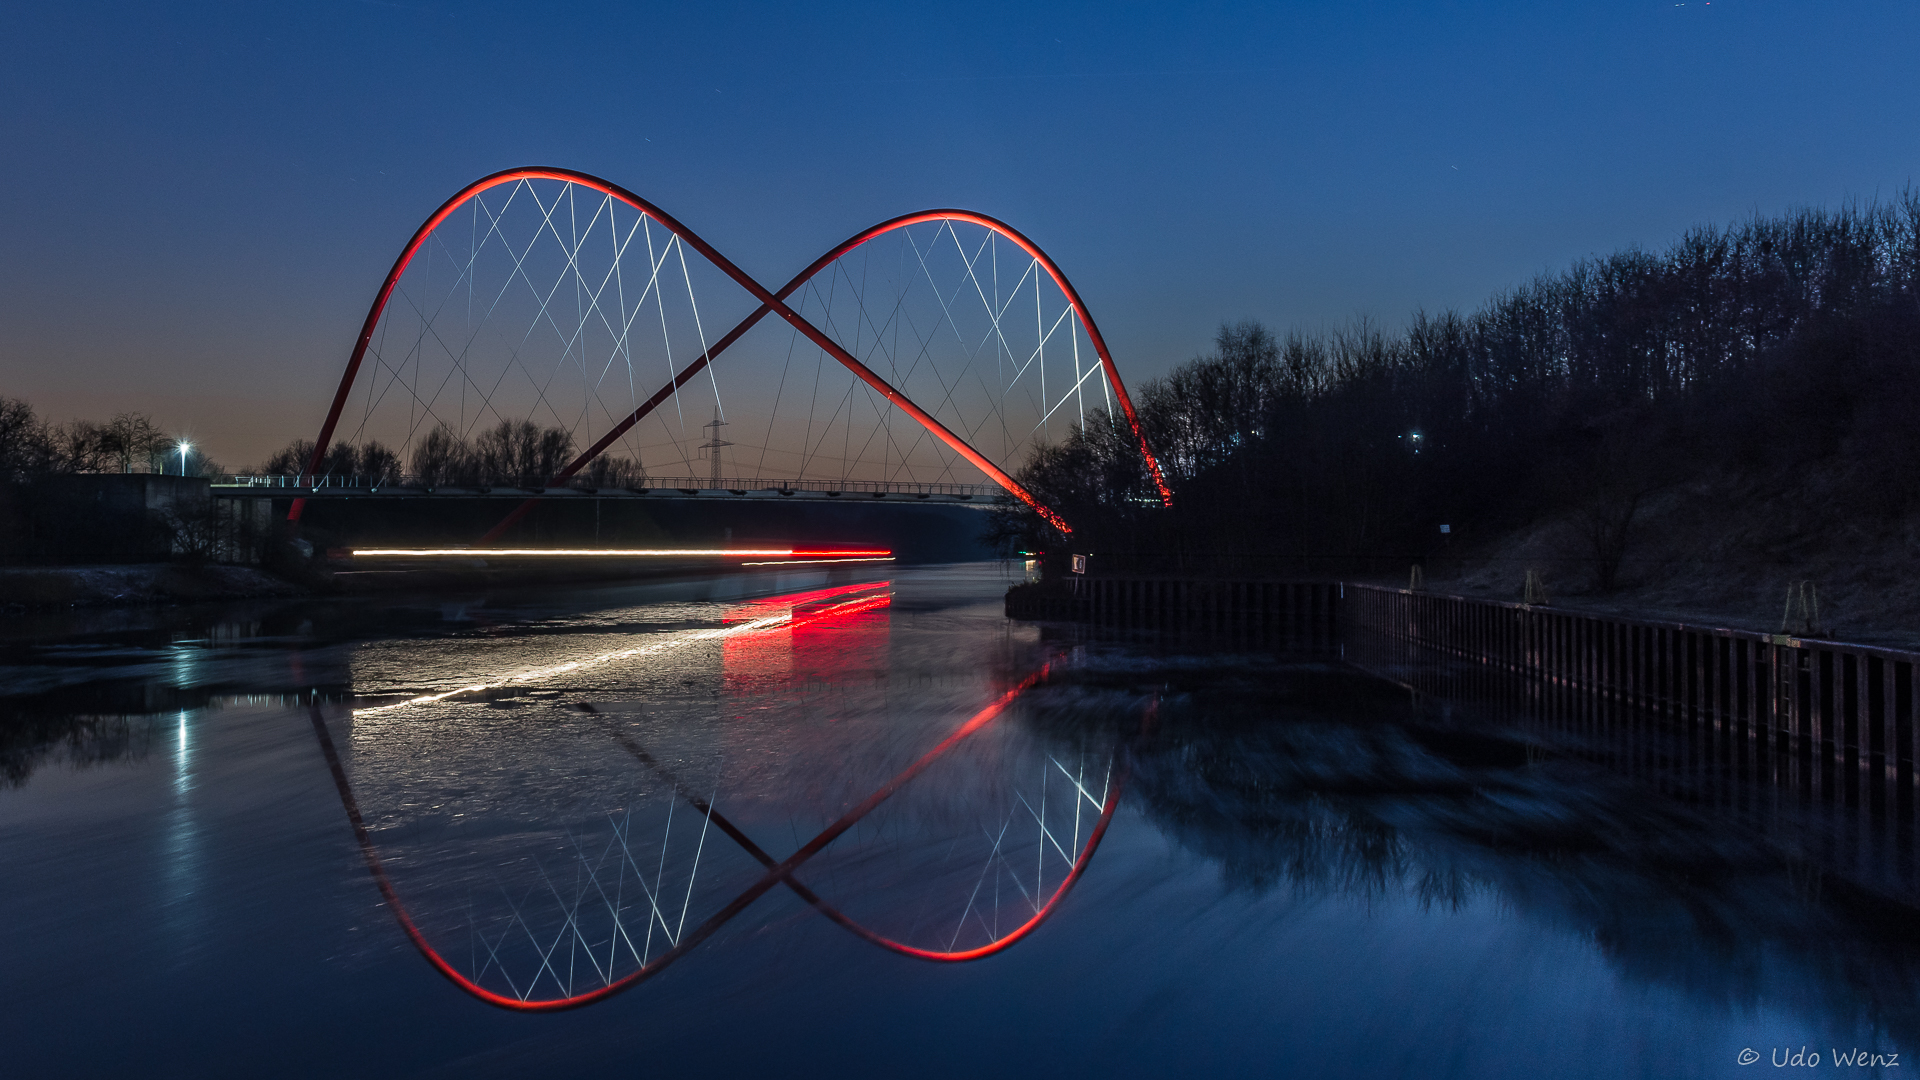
1446 528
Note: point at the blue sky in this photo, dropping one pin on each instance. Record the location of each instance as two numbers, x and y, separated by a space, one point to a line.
203 197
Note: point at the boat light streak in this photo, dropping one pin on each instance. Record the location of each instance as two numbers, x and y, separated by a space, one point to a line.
817 562
798 554
784 619
518 553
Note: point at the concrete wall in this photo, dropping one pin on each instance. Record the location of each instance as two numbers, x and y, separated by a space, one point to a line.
130 518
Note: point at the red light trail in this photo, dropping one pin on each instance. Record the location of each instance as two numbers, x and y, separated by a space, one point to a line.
795 554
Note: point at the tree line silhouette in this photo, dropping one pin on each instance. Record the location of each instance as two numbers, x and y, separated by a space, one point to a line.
1769 344
516 452
32 448
44 516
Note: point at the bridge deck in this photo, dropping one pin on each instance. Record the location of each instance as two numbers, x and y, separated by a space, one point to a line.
678 487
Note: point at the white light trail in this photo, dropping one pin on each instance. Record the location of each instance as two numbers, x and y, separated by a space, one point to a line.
522 553
800 555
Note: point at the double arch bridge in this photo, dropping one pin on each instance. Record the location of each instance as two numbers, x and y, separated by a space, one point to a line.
556 319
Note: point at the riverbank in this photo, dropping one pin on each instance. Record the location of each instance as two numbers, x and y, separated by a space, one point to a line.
45 587
1721 550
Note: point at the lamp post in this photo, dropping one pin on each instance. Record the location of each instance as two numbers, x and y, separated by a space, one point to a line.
183 458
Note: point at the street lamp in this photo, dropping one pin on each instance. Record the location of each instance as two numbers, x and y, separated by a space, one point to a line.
183 458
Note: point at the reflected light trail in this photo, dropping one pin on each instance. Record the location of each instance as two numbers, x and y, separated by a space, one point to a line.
774 875
182 775
864 600
817 562
803 602
1070 830
616 553
182 868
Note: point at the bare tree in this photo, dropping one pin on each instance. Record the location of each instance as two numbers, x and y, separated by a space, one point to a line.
442 457
521 452
1607 485
290 460
26 447
607 470
554 452
78 447
197 530
131 437
1604 522
377 463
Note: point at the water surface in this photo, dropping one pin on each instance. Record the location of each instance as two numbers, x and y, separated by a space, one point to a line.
838 827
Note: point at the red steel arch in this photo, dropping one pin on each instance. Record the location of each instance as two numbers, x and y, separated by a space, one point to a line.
1059 279
770 303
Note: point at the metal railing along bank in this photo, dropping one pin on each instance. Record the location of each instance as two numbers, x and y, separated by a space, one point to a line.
1830 720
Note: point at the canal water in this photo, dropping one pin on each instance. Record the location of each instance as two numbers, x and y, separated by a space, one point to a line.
827 825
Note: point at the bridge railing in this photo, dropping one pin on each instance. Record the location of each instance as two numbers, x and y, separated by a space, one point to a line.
865 487
689 484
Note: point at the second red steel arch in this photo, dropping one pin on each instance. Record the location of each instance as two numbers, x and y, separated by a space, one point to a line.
770 303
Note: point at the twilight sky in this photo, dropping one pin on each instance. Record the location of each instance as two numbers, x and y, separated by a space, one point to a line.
202 198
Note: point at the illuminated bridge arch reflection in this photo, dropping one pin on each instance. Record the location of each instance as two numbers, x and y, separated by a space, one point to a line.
559 832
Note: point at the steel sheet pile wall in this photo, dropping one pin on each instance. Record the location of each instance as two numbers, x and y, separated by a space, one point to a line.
1830 721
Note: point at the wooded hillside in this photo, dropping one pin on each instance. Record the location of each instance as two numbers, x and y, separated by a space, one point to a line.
1775 361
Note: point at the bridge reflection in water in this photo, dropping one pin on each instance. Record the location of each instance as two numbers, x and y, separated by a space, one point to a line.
548 836
1310 863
